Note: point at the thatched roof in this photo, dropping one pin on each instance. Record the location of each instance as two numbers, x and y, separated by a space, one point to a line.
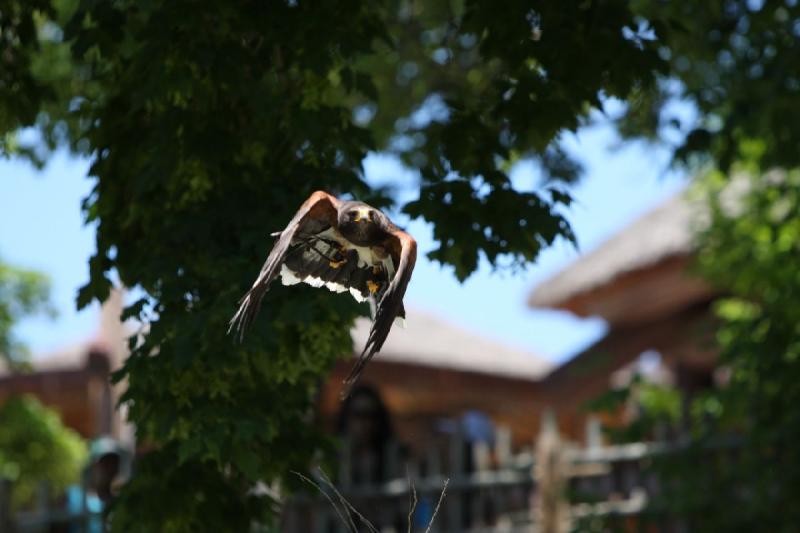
661 233
427 340
69 357
109 339
431 341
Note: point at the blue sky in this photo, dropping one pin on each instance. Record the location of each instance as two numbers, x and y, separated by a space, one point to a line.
41 227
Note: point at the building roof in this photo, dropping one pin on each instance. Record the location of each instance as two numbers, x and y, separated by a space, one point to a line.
69 357
431 341
75 356
109 339
664 232
426 340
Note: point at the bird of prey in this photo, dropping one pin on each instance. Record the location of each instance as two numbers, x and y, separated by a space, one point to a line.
344 246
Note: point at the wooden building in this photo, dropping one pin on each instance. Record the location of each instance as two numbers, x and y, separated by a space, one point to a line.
433 373
640 282
428 375
75 380
432 376
78 389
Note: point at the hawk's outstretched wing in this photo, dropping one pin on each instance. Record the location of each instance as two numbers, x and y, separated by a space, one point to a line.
319 209
403 249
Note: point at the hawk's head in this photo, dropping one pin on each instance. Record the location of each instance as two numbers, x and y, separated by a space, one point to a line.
360 223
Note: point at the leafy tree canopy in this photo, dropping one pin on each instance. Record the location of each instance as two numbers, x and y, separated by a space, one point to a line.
208 123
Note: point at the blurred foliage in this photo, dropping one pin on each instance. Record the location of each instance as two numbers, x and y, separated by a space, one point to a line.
22 293
208 123
749 251
650 410
40 85
739 471
22 94
737 63
35 446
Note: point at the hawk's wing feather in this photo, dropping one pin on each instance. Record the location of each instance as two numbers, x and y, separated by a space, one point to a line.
404 254
320 206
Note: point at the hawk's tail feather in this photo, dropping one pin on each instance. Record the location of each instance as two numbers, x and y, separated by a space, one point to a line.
249 306
356 371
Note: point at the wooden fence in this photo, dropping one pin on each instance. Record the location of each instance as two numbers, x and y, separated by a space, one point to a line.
502 492
487 486
489 489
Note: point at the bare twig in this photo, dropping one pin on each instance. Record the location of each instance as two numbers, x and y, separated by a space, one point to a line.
346 503
438 504
413 500
348 508
349 522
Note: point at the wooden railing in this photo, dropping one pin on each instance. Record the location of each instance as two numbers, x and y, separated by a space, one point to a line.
489 489
527 491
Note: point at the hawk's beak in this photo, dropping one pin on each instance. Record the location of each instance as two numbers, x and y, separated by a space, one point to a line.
361 214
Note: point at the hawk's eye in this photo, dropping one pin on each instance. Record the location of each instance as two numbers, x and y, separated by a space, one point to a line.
352 215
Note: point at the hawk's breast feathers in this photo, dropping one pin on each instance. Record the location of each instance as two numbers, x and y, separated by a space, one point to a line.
327 259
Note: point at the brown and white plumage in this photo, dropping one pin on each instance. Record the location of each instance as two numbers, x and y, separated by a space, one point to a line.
344 246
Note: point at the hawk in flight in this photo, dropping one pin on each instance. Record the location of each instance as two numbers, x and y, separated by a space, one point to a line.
343 246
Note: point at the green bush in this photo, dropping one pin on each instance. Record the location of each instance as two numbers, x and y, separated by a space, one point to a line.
35 446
